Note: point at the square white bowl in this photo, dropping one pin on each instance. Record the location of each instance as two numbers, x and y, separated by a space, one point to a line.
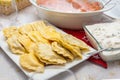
105 55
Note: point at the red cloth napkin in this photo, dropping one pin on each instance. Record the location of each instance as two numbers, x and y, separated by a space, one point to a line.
80 34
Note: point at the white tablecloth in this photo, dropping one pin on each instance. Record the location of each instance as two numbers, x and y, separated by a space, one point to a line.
83 71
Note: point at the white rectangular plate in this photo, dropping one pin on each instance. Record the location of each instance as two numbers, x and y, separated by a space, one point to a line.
49 71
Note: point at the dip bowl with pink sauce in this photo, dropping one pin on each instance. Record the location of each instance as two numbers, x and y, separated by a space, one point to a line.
70 14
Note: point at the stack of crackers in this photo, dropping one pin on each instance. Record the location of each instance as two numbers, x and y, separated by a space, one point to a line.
6 6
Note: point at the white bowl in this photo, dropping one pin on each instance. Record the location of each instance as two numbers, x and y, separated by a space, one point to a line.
97 40
69 20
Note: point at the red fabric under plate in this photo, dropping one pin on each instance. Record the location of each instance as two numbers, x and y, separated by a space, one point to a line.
80 34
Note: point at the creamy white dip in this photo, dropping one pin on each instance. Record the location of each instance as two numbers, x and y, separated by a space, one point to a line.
107 35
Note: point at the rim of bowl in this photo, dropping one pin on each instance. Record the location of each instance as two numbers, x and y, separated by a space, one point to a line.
44 8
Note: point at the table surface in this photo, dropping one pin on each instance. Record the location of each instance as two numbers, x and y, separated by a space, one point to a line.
84 71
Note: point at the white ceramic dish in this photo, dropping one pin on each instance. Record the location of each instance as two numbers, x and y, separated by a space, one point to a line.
49 72
114 13
70 20
98 43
